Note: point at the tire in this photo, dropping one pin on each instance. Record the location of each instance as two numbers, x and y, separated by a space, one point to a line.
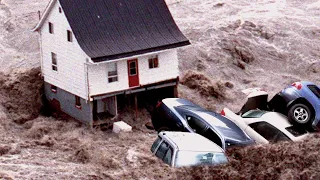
164 128
300 114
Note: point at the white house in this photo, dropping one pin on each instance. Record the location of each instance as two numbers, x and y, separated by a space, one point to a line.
94 53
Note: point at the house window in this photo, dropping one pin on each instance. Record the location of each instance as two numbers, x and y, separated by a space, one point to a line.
112 72
53 88
78 102
69 33
133 68
153 62
60 10
54 62
51 28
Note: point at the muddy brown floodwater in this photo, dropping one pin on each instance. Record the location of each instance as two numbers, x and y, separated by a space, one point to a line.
235 45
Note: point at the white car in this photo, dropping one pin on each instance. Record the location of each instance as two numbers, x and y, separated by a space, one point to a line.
179 149
264 126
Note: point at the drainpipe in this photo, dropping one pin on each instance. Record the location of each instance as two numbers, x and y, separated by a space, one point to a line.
41 50
86 64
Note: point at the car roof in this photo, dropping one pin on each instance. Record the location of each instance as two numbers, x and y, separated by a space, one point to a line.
274 118
190 141
178 102
227 128
307 83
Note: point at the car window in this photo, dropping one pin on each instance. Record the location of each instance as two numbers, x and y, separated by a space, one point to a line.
191 158
315 90
168 157
163 148
269 132
296 131
210 134
155 144
197 125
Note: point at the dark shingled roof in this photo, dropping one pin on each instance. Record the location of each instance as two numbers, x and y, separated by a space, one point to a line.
111 29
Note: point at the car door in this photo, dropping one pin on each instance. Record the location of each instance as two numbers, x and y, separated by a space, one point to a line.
202 128
269 132
165 152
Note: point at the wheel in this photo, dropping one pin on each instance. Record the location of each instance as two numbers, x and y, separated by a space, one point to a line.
299 114
164 128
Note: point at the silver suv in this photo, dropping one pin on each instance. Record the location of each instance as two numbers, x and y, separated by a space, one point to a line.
179 149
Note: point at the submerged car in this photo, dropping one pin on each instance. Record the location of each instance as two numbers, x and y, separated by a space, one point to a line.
179 149
177 114
264 126
300 102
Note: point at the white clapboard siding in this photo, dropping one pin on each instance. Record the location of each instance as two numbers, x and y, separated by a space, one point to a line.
168 68
98 74
98 78
71 75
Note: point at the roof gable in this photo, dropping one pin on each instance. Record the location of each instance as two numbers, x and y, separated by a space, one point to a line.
45 15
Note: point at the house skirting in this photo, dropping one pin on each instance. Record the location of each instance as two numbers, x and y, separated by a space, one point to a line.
105 106
64 101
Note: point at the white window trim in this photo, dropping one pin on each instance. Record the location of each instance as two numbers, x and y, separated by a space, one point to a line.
113 76
152 58
54 65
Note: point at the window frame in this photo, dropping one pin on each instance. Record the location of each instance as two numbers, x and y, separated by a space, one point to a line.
163 147
54 61
113 77
165 157
51 28
78 102
208 134
131 68
265 130
69 36
156 144
190 118
153 62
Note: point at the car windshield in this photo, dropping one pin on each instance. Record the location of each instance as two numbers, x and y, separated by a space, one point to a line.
253 114
193 158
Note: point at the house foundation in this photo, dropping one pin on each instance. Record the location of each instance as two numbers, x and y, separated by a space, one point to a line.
63 101
105 107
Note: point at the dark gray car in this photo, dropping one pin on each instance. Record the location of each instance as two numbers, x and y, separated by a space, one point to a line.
177 114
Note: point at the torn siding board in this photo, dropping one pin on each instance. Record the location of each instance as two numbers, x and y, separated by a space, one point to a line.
70 74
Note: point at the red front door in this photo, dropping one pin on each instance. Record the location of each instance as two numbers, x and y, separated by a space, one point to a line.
133 73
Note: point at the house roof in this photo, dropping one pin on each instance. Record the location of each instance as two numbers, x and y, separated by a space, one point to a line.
112 29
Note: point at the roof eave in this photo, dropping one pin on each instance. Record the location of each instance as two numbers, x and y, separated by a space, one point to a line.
45 15
134 53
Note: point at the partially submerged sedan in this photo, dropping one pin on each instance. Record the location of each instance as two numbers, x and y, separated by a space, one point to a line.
264 126
179 149
177 114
